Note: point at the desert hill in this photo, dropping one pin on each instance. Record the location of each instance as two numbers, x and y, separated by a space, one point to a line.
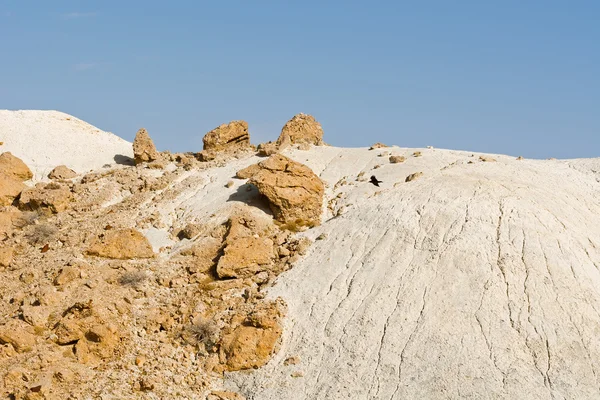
463 275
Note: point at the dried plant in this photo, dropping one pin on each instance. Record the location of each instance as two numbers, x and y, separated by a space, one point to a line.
133 278
204 332
42 233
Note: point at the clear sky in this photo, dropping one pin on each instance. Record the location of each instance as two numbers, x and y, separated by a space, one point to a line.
513 77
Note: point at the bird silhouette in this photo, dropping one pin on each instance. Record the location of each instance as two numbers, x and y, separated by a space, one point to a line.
374 181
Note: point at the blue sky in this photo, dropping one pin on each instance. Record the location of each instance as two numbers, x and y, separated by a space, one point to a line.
513 77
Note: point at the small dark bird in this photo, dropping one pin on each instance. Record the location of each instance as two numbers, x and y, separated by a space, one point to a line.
374 181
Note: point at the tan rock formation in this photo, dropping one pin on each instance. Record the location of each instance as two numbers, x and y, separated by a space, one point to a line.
378 145
10 188
397 159
14 166
143 147
53 197
302 128
18 334
6 255
414 176
231 136
293 190
121 244
245 257
267 149
62 172
251 344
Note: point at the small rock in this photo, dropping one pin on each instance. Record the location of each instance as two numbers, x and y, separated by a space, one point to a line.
378 145
417 154
124 244
229 184
17 334
66 275
267 149
397 159
322 236
414 176
6 256
62 172
297 374
291 360
486 159
520 158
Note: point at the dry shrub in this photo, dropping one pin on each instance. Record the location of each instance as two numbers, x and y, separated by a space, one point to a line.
133 278
42 233
202 332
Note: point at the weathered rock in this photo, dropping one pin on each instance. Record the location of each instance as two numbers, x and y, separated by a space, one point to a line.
245 257
249 347
8 221
14 166
143 147
121 244
378 145
414 176
487 159
189 231
294 192
18 334
62 172
267 149
6 255
231 136
98 343
397 159
66 275
302 128
248 172
53 197
10 188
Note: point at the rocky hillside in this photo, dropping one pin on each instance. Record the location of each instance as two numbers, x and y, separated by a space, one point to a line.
282 272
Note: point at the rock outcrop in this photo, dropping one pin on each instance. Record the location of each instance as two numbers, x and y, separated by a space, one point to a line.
121 244
14 167
10 188
394 159
294 192
143 148
52 197
301 129
227 137
62 172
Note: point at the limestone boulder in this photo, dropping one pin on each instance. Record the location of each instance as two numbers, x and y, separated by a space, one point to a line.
394 159
245 257
10 188
267 149
123 244
6 255
251 344
18 334
52 197
143 147
15 167
301 129
231 136
294 192
62 172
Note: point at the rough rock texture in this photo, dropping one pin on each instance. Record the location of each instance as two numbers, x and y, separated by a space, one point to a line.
246 253
267 149
413 176
224 395
10 188
14 166
231 136
62 172
397 159
301 129
53 197
143 147
480 281
6 256
378 145
121 244
293 190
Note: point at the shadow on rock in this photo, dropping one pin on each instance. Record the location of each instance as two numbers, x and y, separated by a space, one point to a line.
123 160
249 194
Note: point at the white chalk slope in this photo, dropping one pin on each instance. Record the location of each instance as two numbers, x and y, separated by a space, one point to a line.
45 139
474 281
